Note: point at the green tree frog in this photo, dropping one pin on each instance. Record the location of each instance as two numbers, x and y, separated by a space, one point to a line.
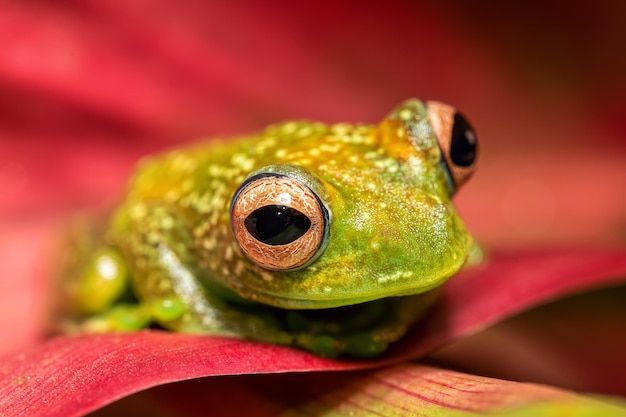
330 238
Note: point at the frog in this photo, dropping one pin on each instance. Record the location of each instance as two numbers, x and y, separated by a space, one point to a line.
331 238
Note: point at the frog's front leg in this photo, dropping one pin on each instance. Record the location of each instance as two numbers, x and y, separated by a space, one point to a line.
165 276
95 294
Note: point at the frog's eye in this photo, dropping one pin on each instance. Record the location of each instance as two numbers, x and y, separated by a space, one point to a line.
278 221
457 140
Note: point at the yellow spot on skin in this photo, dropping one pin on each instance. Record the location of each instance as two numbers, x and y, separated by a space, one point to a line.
152 238
265 144
289 128
172 195
394 276
241 161
329 148
239 268
184 163
204 204
167 223
106 268
371 155
228 253
267 276
215 170
340 129
209 243
304 132
405 115
138 211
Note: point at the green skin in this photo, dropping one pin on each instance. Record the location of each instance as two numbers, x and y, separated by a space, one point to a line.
393 231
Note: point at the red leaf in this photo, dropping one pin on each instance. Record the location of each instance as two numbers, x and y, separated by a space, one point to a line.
510 283
72 375
77 374
403 390
576 343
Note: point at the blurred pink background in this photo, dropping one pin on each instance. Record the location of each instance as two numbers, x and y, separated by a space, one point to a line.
87 87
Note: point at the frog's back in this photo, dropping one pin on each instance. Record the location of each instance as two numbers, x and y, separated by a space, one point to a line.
204 175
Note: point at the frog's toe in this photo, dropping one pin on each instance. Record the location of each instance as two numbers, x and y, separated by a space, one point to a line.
364 345
122 317
360 345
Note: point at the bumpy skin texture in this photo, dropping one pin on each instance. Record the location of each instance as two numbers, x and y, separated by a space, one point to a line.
393 231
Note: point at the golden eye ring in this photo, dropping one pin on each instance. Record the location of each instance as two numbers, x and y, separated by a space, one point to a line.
457 140
278 222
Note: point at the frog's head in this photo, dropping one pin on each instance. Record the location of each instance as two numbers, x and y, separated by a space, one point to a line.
356 213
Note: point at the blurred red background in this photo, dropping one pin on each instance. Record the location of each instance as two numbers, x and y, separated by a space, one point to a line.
87 87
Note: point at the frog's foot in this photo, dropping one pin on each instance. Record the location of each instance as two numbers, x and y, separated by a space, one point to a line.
127 317
120 317
361 331
366 344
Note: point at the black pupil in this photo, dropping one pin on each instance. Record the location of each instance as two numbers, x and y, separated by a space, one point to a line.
277 225
463 144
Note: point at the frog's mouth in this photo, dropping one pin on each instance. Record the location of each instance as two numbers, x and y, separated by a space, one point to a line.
363 317
326 303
